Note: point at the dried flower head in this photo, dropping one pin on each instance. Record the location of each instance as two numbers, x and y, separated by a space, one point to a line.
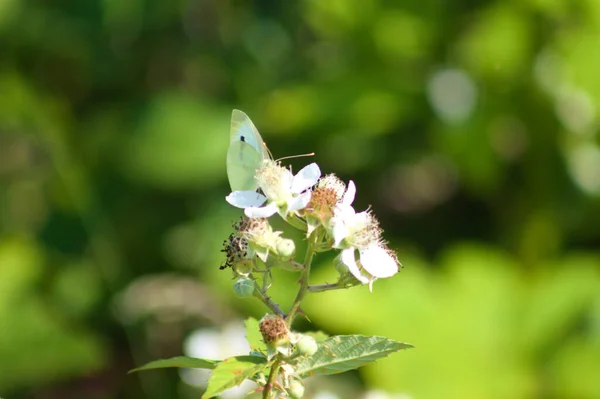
274 330
236 250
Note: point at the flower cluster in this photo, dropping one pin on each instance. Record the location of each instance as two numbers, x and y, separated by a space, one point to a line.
284 193
321 207
254 238
324 207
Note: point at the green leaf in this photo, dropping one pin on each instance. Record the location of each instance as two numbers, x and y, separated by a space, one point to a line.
179 361
347 352
254 336
232 372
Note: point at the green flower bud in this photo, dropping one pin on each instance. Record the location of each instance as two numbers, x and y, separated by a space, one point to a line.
307 345
286 248
243 287
296 389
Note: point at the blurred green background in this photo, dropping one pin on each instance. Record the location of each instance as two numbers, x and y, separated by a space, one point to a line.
470 127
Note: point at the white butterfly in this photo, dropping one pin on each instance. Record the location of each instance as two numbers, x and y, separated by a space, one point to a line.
246 153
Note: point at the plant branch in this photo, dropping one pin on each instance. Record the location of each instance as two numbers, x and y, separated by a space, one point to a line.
264 298
268 392
327 287
310 252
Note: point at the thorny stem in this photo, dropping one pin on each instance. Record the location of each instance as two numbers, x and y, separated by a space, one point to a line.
311 249
310 252
264 298
268 392
304 287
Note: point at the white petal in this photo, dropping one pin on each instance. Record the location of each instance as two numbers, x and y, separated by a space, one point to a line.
306 178
339 232
349 194
343 219
348 259
244 199
299 202
344 212
371 284
359 220
263 254
286 179
262 212
378 262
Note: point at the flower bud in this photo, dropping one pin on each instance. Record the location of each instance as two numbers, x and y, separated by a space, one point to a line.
286 248
243 287
296 389
307 345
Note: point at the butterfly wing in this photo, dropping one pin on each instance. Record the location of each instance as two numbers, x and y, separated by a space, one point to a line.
245 154
242 162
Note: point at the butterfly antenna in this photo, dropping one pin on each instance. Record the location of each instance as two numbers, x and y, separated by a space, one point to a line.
311 154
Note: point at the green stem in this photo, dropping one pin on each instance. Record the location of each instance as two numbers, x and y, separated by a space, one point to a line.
310 252
268 392
264 298
327 287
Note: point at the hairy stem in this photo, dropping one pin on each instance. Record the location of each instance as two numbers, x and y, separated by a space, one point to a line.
268 392
264 298
310 252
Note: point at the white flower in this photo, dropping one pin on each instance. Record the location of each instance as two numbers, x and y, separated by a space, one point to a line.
352 232
283 192
375 261
326 195
351 229
260 236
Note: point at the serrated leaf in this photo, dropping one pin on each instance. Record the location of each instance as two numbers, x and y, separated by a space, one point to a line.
347 352
317 335
254 336
232 372
179 361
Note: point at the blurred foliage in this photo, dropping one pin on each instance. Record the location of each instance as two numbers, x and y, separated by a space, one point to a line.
471 128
